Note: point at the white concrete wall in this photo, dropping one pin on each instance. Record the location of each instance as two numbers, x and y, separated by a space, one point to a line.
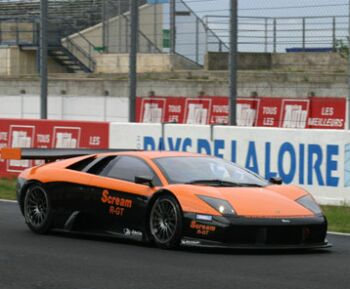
317 160
14 61
66 107
146 62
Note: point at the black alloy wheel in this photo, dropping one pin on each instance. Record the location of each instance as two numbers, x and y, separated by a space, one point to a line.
37 209
165 222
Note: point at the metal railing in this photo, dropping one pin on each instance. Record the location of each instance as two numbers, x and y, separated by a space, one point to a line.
84 50
281 34
80 53
24 31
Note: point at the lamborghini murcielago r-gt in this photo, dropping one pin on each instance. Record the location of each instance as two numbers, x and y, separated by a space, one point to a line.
169 198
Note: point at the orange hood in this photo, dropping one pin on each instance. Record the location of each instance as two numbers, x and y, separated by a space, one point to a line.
268 202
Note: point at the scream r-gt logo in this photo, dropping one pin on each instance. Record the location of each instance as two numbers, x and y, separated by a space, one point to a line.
118 205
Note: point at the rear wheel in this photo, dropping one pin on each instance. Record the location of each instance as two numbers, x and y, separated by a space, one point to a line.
165 222
37 209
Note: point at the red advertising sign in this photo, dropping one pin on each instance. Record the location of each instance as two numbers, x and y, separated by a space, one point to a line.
150 110
220 110
197 110
175 110
294 113
269 113
315 112
247 109
327 113
49 134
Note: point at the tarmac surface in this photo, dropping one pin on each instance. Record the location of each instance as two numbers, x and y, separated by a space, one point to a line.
64 261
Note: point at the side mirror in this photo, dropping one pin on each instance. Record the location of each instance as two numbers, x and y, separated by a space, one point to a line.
275 180
144 180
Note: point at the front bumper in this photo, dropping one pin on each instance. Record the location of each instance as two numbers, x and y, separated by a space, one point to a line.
256 233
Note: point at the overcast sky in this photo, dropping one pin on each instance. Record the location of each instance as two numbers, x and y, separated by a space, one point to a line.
266 7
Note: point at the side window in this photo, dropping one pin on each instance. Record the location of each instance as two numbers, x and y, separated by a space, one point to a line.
99 165
127 168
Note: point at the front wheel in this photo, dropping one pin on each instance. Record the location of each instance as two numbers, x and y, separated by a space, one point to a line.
165 222
37 209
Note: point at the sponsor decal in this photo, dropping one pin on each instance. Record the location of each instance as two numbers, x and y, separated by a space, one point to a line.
131 233
285 221
118 205
202 229
190 242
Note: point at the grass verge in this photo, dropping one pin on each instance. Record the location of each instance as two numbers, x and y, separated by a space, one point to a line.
8 189
338 216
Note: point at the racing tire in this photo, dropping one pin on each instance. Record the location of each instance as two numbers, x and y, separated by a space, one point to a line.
37 209
165 222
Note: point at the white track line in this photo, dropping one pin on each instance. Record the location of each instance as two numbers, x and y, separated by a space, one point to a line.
339 234
7 201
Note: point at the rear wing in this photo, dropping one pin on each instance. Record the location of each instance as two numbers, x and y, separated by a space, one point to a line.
50 155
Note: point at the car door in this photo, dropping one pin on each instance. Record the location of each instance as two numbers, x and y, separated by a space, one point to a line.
118 203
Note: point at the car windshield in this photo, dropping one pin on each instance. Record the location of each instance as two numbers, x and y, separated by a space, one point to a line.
207 171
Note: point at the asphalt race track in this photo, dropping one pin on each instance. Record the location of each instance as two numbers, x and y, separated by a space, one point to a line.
61 261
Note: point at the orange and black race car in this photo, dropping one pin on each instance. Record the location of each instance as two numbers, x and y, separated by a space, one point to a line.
169 198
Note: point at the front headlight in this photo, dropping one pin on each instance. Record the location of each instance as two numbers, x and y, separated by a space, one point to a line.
222 206
309 203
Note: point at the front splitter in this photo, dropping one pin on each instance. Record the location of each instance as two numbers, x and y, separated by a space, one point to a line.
190 242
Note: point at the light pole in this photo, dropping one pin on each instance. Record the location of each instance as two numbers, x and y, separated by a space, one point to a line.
233 61
134 24
43 58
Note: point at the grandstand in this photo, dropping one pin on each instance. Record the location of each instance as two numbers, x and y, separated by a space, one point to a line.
19 19
80 14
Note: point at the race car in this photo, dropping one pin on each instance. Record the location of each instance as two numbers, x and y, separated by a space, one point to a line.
168 198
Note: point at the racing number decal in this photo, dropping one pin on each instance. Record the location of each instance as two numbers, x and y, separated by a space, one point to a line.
118 205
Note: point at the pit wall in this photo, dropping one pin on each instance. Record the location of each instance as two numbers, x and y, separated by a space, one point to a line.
316 160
